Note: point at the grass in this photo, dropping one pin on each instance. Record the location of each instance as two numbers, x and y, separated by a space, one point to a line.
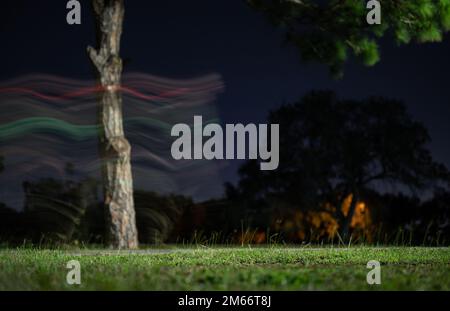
271 268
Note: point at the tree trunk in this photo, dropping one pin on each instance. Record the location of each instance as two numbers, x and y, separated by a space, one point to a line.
115 150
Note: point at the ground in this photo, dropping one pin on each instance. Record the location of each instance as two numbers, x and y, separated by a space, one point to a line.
270 268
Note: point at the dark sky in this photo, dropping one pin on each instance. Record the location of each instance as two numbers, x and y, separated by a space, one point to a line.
189 38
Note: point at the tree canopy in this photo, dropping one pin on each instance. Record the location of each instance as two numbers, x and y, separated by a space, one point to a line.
330 31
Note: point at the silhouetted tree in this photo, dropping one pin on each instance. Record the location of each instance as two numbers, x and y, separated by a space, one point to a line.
330 31
331 149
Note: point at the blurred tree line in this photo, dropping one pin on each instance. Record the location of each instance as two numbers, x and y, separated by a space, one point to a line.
67 211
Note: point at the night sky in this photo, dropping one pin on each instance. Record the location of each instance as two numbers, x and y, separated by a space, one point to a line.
183 39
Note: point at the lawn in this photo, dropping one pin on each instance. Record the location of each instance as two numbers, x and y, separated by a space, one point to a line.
271 268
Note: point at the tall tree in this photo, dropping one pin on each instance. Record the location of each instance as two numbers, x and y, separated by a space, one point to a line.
115 149
329 31
333 149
